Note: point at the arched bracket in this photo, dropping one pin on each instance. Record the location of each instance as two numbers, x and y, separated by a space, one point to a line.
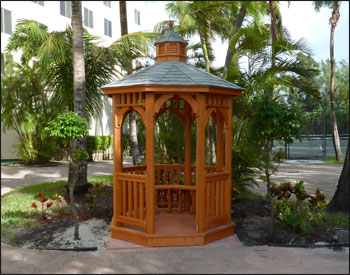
121 114
160 101
191 101
176 112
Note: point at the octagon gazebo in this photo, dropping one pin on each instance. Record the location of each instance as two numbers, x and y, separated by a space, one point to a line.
144 196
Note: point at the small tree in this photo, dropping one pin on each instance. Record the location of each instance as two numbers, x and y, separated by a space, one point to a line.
71 126
272 121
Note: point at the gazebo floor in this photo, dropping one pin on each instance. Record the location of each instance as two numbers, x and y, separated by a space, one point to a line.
172 229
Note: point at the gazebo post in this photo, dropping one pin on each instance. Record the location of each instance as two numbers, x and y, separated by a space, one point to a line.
188 175
150 199
118 161
200 156
228 158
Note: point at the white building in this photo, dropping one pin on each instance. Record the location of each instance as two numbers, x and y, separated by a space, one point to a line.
100 18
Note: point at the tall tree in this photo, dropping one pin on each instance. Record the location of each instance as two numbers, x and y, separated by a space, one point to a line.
134 147
198 17
79 84
340 200
334 5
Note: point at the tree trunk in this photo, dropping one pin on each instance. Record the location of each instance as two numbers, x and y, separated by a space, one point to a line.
238 25
79 83
134 147
340 200
211 136
336 143
273 32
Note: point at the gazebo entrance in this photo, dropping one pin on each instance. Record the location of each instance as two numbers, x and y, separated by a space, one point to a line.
173 204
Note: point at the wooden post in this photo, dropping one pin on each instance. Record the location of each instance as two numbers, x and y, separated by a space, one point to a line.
200 155
118 162
188 175
228 159
150 198
219 143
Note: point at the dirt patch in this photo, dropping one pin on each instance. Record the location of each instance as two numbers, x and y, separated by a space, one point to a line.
252 218
250 215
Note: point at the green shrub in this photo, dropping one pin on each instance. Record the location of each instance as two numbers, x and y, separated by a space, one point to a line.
104 143
110 140
90 146
98 140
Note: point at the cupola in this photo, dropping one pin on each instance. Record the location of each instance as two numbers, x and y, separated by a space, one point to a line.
171 47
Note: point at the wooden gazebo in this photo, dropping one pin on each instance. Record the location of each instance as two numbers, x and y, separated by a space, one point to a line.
173 204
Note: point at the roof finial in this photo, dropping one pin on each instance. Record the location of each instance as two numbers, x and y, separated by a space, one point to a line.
170 25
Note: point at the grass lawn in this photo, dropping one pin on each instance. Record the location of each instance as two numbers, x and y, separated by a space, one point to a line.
332 160
16 210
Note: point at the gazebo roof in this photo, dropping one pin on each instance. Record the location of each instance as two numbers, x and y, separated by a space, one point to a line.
172 73
170 36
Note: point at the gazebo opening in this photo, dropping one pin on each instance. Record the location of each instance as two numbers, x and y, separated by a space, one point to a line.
185 201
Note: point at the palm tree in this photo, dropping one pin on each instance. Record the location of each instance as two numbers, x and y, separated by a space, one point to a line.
335 6
340 200
79 85
236 13
134 147
53 52
201 18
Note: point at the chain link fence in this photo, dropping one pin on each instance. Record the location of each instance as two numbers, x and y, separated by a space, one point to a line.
317 138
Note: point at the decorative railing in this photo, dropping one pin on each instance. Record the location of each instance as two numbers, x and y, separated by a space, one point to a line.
133 190
171 189
215 197
138 169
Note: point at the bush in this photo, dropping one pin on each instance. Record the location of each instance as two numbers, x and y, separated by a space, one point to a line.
299 216
95 144
90 146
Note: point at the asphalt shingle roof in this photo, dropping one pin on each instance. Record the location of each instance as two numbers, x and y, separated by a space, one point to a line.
171 36
172 73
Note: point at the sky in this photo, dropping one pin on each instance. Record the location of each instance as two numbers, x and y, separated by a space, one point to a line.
300 19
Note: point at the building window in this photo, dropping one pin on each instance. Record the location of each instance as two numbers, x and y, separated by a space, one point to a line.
66 8
6 21
88 18
137 17
41 3
39 24
107 3
108 28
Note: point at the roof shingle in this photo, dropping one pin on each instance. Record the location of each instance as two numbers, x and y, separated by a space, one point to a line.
172 73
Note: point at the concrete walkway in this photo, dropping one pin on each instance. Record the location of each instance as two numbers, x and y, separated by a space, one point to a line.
189 260
315 175
183 260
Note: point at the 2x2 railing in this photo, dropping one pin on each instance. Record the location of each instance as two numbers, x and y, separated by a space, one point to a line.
171 191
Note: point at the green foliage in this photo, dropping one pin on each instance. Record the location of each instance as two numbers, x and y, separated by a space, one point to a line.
90 145
54 53
242 192
274 121
300 216
332 160
68 126
169 139
26 109
16 210
95 144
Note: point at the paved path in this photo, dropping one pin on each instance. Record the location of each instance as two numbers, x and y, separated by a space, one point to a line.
315 175
190 260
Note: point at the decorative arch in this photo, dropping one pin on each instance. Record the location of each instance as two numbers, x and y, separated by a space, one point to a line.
124 111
